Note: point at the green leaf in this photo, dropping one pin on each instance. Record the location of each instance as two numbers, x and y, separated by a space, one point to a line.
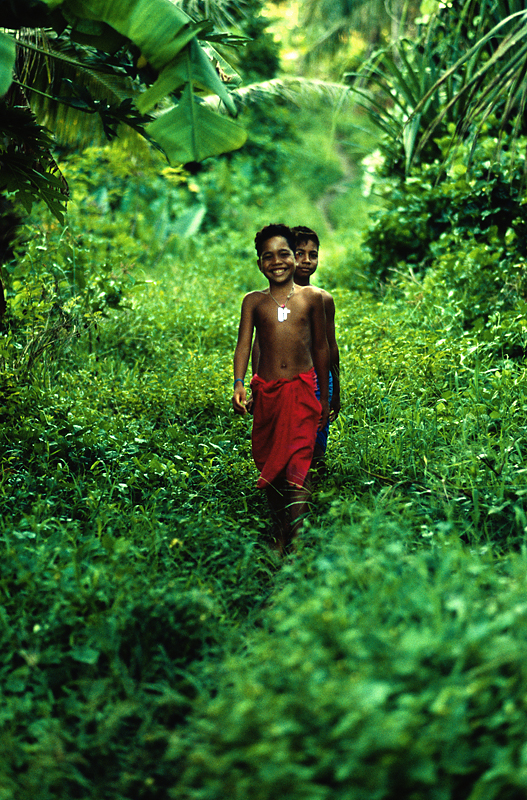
7 61
85 655
103 37
172 77
158 27
191 132
191 65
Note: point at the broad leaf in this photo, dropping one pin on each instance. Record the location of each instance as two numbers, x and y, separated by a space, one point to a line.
192 66
159 28
192 132
167 39
7 61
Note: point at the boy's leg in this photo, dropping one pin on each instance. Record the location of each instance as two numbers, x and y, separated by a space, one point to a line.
298 507
318 465
277 499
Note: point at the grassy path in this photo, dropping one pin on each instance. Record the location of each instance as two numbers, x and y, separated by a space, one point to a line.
152 646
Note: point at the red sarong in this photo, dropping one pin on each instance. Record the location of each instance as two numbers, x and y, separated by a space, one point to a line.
286 417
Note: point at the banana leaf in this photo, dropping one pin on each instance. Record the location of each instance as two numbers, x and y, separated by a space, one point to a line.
167 39
192 132
193 66
158 27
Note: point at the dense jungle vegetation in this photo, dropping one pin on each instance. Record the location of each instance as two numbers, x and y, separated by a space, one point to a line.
152 644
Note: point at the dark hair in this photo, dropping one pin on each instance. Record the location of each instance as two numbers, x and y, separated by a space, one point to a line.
276 229
303 234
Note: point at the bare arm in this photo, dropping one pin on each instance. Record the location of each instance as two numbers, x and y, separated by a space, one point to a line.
255 358
320 351
334 355
255 354
241 355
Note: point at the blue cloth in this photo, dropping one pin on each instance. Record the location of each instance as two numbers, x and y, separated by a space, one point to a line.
322 435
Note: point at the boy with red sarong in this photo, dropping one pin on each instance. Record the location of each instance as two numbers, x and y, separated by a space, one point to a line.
291 327
306 255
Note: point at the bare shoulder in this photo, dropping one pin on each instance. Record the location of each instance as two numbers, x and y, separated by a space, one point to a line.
327 296
329 303
309 293
251 299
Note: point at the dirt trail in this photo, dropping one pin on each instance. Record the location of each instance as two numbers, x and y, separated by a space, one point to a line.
350 172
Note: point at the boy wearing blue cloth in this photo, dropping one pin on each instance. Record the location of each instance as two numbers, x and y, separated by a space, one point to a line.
306 256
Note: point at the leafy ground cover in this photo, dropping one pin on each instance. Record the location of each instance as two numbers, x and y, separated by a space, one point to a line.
152 645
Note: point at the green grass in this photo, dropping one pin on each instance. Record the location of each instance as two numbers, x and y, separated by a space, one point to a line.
151 644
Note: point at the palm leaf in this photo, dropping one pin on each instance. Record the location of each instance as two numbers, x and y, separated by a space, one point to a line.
296 90
69 94
27 167
499 81
222 13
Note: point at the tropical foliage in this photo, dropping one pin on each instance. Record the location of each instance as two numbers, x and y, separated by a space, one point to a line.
153 53
457 72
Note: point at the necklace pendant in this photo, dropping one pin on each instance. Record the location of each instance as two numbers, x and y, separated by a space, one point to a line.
282 313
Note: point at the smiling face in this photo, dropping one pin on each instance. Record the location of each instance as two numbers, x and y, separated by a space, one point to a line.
306 255
277 260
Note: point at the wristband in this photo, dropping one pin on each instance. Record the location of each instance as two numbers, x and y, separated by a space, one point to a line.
238 380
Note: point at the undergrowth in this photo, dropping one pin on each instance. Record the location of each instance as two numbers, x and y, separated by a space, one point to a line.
152 644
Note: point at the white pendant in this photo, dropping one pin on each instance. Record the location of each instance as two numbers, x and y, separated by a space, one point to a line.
281 314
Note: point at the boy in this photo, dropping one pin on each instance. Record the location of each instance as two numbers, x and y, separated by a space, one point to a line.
306 255
291 328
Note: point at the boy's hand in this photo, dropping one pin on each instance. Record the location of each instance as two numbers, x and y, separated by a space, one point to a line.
334 407
324 416
239 399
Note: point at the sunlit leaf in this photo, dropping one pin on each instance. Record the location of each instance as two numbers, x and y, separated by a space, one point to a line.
192 132
193 66
160 29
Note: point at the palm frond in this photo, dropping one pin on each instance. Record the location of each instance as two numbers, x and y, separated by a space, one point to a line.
497 80
70 91
297 91
222 13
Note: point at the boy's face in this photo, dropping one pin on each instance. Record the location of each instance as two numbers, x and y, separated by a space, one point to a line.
306 255
277 260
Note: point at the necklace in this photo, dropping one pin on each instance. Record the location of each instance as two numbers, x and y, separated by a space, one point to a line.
282 310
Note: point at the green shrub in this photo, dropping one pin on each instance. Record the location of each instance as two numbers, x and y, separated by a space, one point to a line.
378 673
435 211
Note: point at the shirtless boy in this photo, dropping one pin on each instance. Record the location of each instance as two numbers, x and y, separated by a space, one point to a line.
306 255
291 327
